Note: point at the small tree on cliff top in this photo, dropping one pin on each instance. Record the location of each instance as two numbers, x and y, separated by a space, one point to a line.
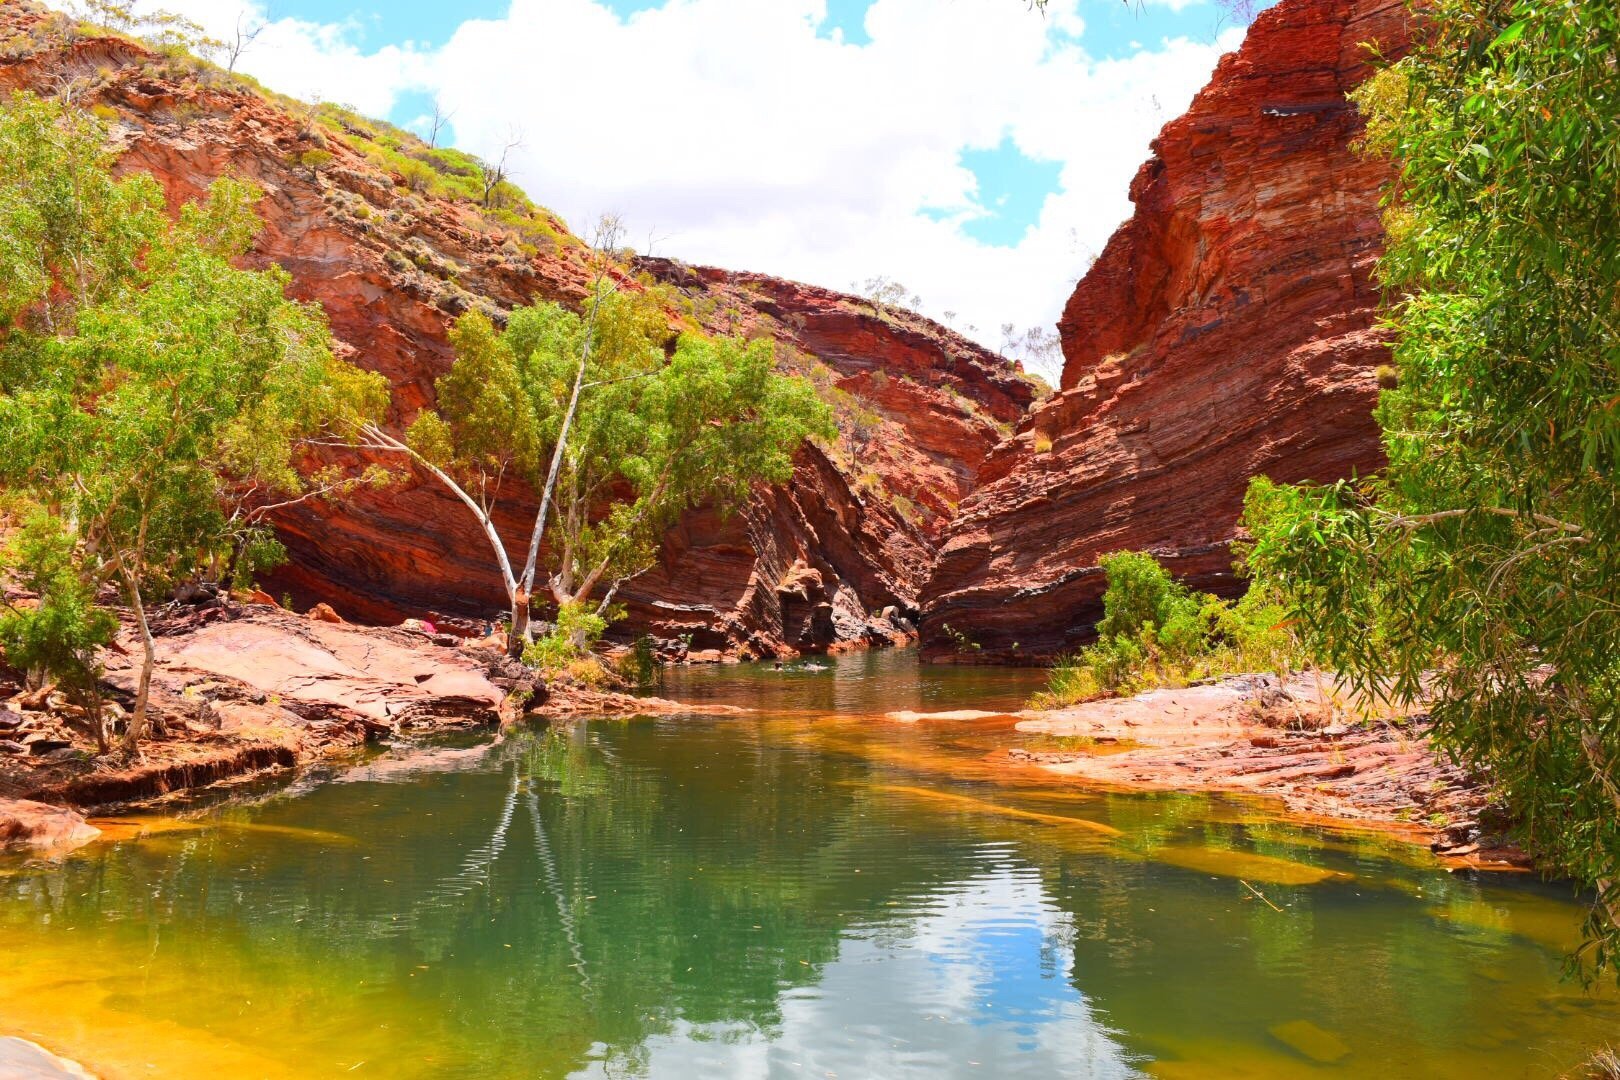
147 386
616 436
1482 569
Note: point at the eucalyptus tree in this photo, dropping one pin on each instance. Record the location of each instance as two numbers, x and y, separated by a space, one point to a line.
149 388
1482 568
616 428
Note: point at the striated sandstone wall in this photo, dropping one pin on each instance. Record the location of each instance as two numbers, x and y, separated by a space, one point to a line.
1226 330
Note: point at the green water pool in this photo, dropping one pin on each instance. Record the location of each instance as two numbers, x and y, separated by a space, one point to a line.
806 890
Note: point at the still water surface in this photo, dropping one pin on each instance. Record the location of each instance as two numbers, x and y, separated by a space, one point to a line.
805 891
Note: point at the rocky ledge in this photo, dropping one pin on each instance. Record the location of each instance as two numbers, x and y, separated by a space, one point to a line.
51 829
244 689
1285 741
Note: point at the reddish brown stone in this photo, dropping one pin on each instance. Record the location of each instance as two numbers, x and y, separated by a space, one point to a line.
1227 330
37 825
323 613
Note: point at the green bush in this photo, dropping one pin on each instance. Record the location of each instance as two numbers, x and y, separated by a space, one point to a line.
639 666
578 627
61 637
1140 591
1155 632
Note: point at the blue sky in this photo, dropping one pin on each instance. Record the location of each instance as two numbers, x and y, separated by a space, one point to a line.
1113 28
975 151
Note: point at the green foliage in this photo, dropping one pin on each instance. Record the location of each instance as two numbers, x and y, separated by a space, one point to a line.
493 425
1140 591
1156 633
60 637
148 387
577 629
1480 570
316 160
639 666
653 435
63 244
441 171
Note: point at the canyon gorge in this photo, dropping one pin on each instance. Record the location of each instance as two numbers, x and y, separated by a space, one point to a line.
1228 329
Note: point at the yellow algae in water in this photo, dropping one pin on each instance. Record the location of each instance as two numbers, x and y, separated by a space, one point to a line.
50 999
967 802
1052 794
291 832
141 827
1308 1040
1209 1059
1246 865
960 716
1548 923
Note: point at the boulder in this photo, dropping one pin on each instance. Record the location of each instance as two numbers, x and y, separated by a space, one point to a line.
38 825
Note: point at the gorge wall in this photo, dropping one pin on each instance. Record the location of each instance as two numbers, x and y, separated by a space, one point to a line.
1227 330
807 566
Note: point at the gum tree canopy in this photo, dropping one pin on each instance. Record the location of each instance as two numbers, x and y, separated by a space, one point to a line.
151 393
617 423
1482 568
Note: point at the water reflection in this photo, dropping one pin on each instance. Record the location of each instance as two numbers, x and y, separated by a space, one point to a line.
976 983
802 891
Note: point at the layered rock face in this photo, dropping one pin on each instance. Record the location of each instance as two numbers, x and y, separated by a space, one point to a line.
393 265
1226 331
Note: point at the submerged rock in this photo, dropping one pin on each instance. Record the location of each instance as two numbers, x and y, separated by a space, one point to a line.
1308 1040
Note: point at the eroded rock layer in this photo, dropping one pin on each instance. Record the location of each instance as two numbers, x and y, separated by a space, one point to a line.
1227 330
809 566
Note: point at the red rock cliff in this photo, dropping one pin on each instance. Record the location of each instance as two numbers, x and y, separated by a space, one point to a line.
1227 330
805 567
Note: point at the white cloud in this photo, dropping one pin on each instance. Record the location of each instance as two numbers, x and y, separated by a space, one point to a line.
919 996
732 131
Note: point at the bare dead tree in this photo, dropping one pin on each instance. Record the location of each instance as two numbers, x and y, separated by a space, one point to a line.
65 86
654 238
438 123
244 37
495 175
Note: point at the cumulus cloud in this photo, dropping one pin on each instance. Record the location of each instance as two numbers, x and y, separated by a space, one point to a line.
742 134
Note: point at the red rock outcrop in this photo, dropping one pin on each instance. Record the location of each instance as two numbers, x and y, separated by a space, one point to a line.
24 823
393 266
1227 330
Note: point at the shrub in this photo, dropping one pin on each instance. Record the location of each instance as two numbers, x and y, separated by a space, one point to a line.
60 637
578 628
639 666
316 160
1154 632
1140 591
418 175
